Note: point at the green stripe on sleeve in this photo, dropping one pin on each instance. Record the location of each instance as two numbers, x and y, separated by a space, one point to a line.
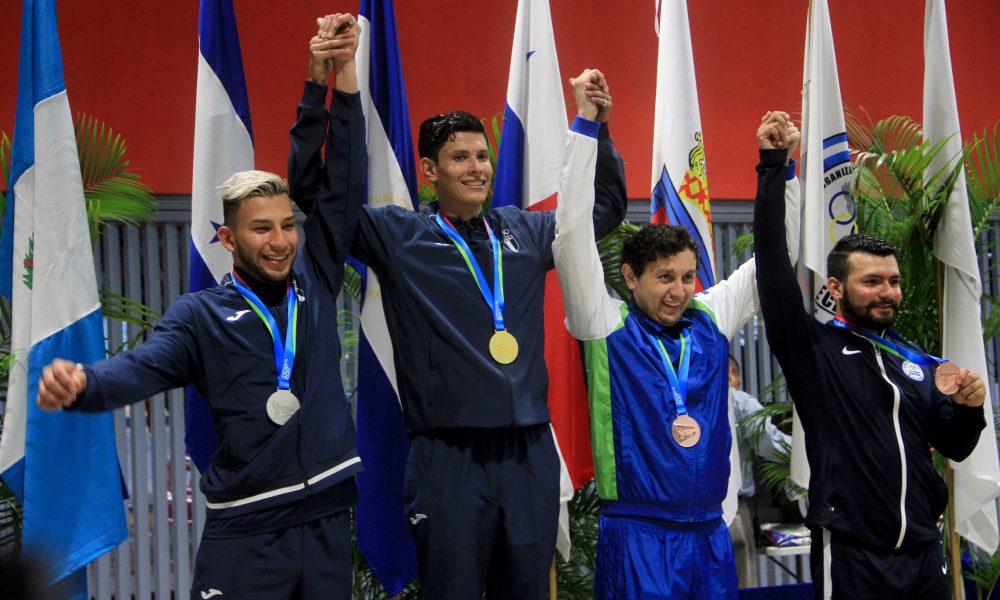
601 424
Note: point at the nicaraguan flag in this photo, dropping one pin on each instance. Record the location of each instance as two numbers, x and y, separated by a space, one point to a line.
679 193
63 466
223 145
532 147
382 445
977 478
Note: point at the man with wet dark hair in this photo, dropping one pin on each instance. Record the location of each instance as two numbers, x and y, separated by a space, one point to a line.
871 405
437 131
462 292
656 367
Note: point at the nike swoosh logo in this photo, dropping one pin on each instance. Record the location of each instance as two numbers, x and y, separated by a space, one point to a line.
212 592
235 317
417 518
847 352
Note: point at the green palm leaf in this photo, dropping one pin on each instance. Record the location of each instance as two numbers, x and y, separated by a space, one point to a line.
112 192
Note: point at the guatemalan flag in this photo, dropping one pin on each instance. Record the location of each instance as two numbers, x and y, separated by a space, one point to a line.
223 145
828 209
382 445
977 478
532 147
63 466
680 184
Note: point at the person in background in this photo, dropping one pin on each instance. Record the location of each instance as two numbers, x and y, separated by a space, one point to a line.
743 529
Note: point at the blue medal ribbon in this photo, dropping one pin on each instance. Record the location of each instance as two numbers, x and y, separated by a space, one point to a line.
678 380
284 356
494 297
903 349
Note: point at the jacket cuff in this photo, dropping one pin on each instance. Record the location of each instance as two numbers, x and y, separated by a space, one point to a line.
772 158
314 94
585 127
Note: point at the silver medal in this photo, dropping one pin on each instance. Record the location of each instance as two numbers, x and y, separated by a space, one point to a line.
281 405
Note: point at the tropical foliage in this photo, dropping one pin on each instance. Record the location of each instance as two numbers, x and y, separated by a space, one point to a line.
113 193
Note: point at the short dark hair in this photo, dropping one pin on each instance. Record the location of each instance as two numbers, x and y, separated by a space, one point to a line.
656 241
837 262
436 131
734 363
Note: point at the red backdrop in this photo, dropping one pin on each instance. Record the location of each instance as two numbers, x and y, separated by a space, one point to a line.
133 64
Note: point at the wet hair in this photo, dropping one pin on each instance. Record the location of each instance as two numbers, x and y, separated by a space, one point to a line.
837 262
656 241
436 131
248 184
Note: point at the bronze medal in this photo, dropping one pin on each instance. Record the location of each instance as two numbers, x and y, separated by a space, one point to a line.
686 431
946 378
281 405
503 347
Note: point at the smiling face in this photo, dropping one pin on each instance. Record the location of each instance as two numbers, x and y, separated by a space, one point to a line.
263 237
665 286
871 295
461 174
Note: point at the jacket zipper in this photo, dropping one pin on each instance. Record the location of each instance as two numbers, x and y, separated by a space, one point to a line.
899 442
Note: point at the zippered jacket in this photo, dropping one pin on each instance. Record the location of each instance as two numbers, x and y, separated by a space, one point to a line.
640 470
439 324
213 340
870 417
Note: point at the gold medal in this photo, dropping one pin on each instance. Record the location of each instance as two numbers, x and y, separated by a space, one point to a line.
503 347
685 430
946 378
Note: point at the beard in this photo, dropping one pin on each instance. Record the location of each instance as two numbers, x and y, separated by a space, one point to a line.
862 315
249 263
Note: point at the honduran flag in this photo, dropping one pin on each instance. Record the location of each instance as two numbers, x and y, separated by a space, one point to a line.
532 147
680 181
63 466
382 445
828 209
223 145
977 478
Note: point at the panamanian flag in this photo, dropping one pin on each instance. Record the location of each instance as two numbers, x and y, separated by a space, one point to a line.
532 147
63 466
223 145
382 445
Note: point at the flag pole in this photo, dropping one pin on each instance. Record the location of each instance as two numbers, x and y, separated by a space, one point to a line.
954 549
553 588
954 546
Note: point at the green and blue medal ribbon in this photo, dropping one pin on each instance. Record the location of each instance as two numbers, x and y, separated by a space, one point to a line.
899 348
284 355
678 379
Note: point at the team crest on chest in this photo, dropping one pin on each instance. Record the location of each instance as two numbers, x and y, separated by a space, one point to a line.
510 242
913 371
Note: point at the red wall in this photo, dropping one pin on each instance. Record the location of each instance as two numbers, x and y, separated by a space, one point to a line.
133 64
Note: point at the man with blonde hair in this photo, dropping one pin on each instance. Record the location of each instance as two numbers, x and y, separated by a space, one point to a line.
259 349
